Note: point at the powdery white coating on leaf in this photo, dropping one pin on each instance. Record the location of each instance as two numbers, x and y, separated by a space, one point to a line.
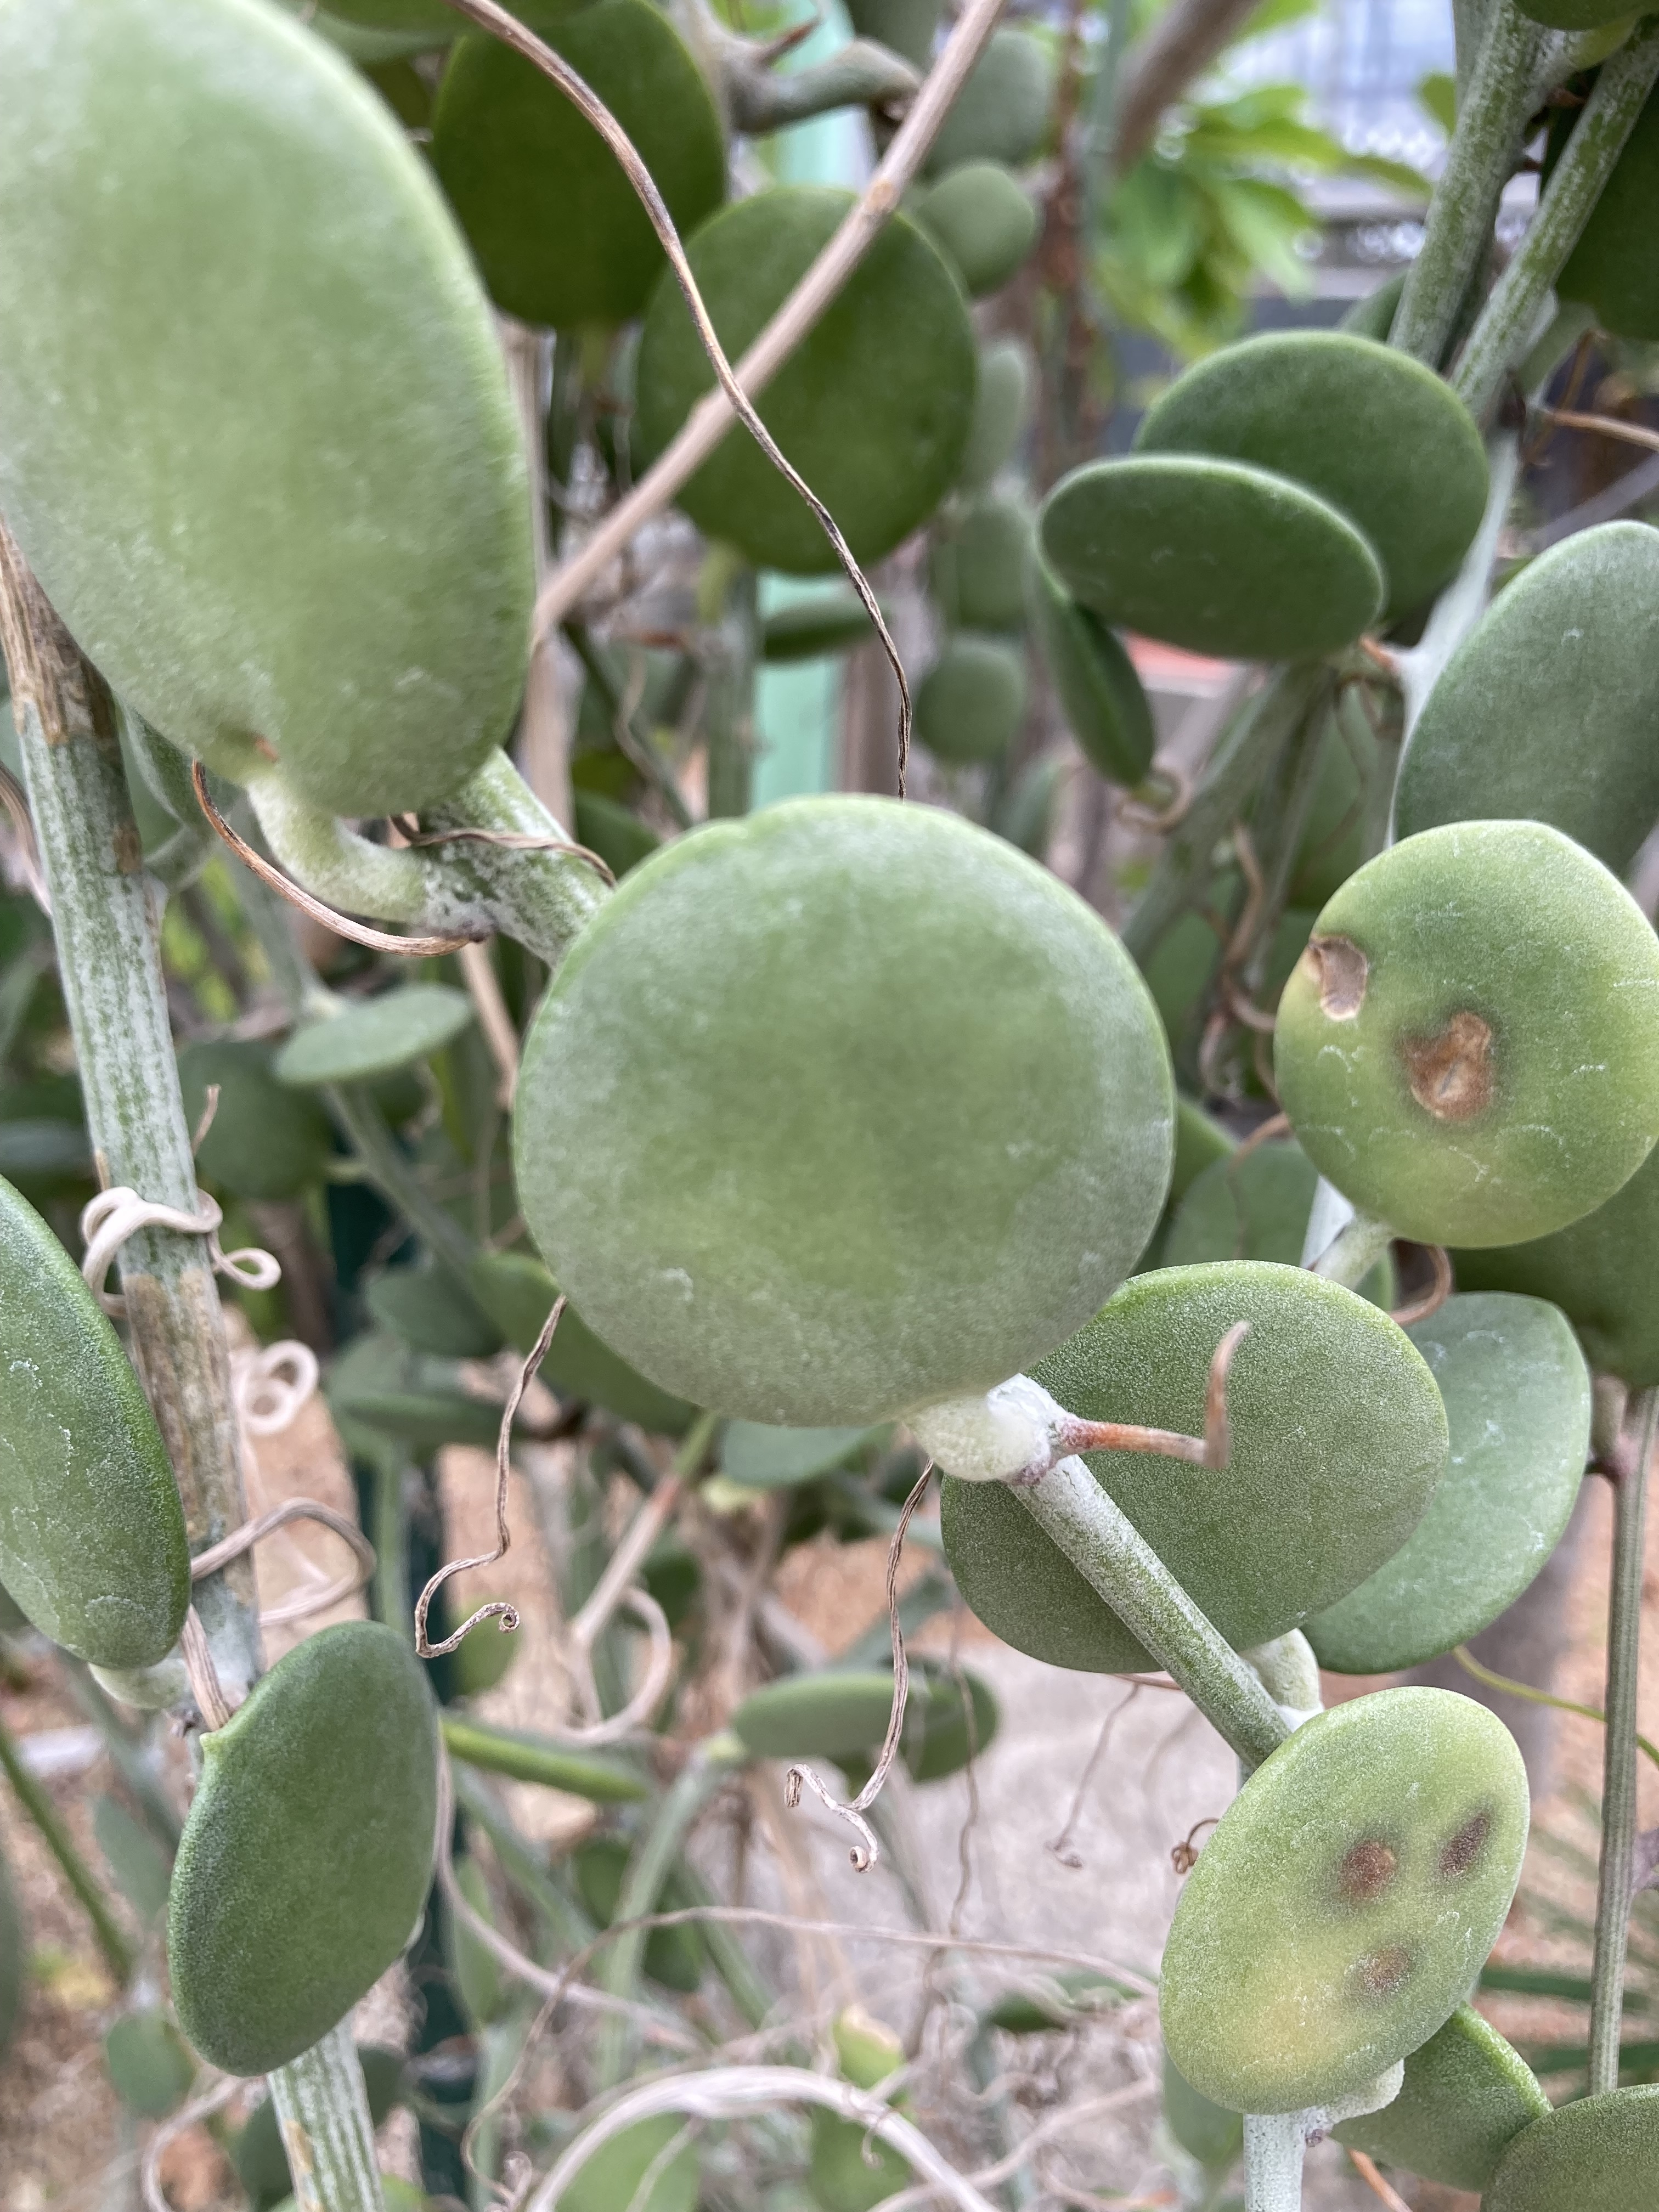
1346 1901
1511 934
92 1533
841 1110
259 447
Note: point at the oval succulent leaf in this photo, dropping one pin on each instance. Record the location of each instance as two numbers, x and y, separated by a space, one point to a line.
1600 2150
1346 1901
1467 2095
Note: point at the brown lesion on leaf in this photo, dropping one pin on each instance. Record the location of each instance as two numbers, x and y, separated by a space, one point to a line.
1451 1073
1366 1871
1384 1972
1339 971
1463 1852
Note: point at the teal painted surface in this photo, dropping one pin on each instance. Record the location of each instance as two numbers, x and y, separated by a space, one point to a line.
798 709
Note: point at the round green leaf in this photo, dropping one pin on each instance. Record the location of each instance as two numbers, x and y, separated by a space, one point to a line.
969 705
1346 1901
903 26
561 235
763 1458
1600 2151
872 408
1614 267
517 1292
1256 1207
149 2069
983 222
1469 1047
430 1311
1209 2133
268 470
306 1858
977 569
1517 1397
1199 1143
1547 709
374 1036
1599 1271
1214 555
1001 113
1002 408
831 1715
716 1140
263 1144
615 2175
1339 1439
1100 696
1466 2097
827 622
1385 439
92 1533
940 1738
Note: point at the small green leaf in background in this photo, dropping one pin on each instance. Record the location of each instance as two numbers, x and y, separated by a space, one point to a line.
1438 96
139 1866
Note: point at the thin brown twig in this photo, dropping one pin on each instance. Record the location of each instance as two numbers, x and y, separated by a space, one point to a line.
1213 1450
865 1853
208 1690
1435 1296
359 932
498 1609
1136 814
1373 2180
515 841
495 20
1276 1125
1609 426
1058 1845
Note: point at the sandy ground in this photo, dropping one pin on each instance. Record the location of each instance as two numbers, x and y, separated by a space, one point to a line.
1061 1840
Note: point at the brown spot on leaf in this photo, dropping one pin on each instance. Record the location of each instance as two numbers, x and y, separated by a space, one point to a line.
1385 1970
1451 1073
1464 1850
1340 971
1365 1872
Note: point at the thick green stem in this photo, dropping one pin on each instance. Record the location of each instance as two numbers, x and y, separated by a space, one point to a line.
541 895
109 959
1245 754
344 871
322 2107
1509 318
116 1950
1353 1252
1613 1901
658 1847
1116 1559
1489 120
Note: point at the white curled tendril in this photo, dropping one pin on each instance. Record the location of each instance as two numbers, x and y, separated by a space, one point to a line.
109 1219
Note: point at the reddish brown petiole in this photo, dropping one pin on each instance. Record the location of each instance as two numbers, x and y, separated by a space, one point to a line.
1213 1449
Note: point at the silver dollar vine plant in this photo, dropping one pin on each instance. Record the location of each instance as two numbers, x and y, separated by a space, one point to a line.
394 951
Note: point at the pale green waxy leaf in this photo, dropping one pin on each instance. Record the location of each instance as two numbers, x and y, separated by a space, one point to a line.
475 1970
673 1956
1002 407
1211 555
969 705
977 567
1339 1439
1381 438
1101 696
1466 2097
1209 2133
715 1135
290 514
1256 1207
983 222
1518 1396
370 1037
1436 96
872 408
829 622
517 158
831 1715
1599 1271
1548 710
1600 2151
92 1533
1001 113
431 1311
263 1142
615 2175
763 1458
1346 1901
150 2069
1469 1047
307 1853
140 1868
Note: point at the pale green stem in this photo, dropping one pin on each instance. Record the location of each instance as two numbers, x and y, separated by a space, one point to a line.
542 897
1458 231
112 1942
106 927
348 872
1509 319
1273 2147
394 1174
1619 1815
1354 1252
1246 752
322 2109
1117 1562
658 1847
